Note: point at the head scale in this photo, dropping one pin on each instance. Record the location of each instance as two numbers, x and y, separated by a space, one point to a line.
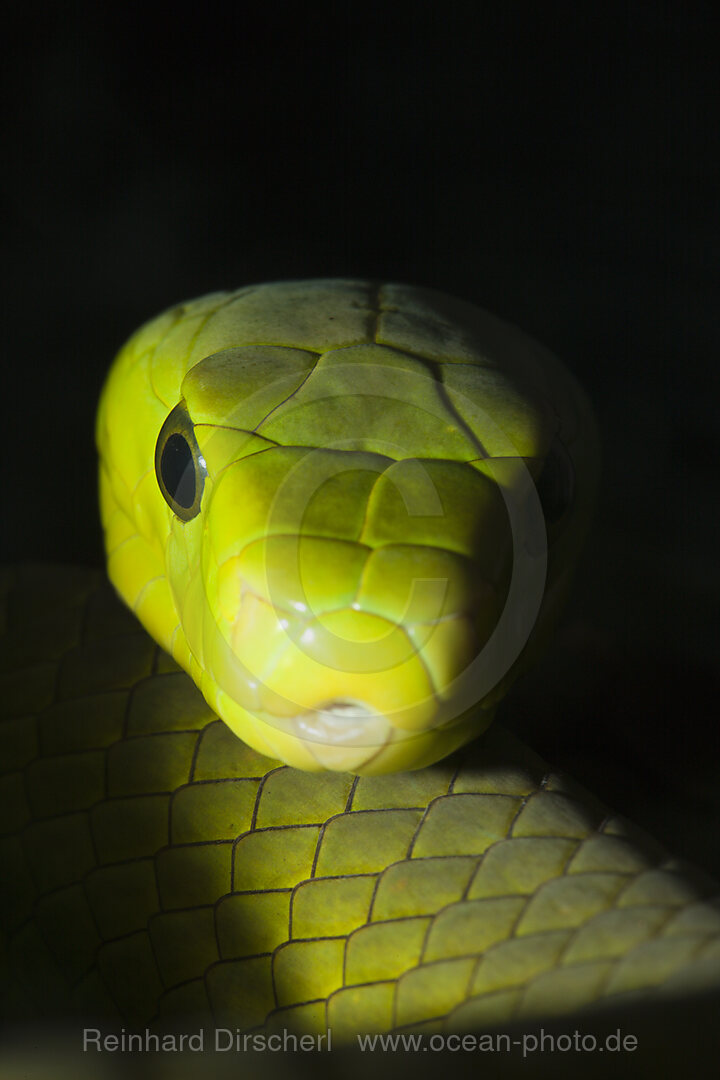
349 511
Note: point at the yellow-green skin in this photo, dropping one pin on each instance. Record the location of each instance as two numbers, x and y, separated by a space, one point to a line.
368 513
164 873
160 872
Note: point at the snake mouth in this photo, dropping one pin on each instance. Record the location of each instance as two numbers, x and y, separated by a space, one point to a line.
340 726
339 733
347 735
339 722
342 732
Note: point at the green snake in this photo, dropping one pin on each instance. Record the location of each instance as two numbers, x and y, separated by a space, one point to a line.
350 512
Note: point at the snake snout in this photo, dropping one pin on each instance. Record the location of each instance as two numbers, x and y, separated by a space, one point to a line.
382 666
354 631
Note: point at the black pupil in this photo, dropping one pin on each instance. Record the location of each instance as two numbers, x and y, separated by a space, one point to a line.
178 471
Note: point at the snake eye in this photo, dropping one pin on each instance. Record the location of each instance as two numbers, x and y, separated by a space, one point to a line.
179 465
556 485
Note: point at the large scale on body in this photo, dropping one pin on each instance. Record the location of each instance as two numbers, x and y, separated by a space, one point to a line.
322 499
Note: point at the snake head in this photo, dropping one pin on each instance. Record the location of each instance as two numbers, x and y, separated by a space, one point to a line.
331 502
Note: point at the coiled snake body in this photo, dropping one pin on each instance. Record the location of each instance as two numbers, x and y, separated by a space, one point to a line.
350 513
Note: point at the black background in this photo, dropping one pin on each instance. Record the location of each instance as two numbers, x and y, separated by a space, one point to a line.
557 164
